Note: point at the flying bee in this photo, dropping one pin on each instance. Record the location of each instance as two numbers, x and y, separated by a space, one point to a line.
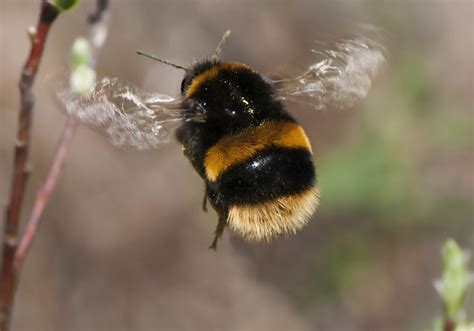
232 122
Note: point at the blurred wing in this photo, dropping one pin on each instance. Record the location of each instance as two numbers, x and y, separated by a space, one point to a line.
131 118
341 77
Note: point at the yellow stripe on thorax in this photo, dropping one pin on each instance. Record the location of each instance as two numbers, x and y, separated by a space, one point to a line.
235 149
212 73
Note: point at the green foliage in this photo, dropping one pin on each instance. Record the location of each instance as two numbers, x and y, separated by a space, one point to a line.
64 4
394 175
453 285
365 176
381 173
344 263
415 81
455 280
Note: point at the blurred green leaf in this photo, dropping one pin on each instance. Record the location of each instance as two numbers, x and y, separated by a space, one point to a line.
83 76
382 173
81 52
455 279
343 263
82 79
366 176
415 81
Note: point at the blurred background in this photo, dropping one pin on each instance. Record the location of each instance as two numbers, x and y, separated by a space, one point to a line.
124 241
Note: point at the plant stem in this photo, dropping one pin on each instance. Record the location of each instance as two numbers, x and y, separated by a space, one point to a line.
13 257
449 325
21 169
44 194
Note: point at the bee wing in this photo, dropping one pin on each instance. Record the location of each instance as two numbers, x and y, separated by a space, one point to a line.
341 77
130 117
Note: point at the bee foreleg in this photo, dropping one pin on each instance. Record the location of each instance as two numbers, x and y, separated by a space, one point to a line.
204 201
219 230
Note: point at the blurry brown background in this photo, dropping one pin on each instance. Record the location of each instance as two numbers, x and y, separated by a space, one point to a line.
124 242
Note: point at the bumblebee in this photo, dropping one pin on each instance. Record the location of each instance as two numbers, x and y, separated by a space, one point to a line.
254 157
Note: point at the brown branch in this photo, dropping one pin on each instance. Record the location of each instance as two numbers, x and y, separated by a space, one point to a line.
13 257
98 32
96 17
97 37
20 164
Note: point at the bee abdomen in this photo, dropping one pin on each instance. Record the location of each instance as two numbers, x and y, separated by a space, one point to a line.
281 216
266 180
272 193
270 174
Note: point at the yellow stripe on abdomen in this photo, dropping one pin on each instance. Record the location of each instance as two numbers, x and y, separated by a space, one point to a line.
231 150
281 216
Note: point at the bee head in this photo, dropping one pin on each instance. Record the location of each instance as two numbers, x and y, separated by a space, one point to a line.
197 68
204 65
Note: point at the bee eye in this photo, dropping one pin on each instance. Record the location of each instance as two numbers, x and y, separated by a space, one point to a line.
182 85
230 112
202 108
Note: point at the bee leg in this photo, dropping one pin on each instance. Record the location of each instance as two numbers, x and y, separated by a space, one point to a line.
219 230
204 201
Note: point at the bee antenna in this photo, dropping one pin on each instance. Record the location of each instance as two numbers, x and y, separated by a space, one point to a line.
162 60
220 45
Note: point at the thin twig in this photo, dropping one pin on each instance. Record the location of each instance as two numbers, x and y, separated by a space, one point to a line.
8 277
96 17
13 257
43 195
449 325
98 33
